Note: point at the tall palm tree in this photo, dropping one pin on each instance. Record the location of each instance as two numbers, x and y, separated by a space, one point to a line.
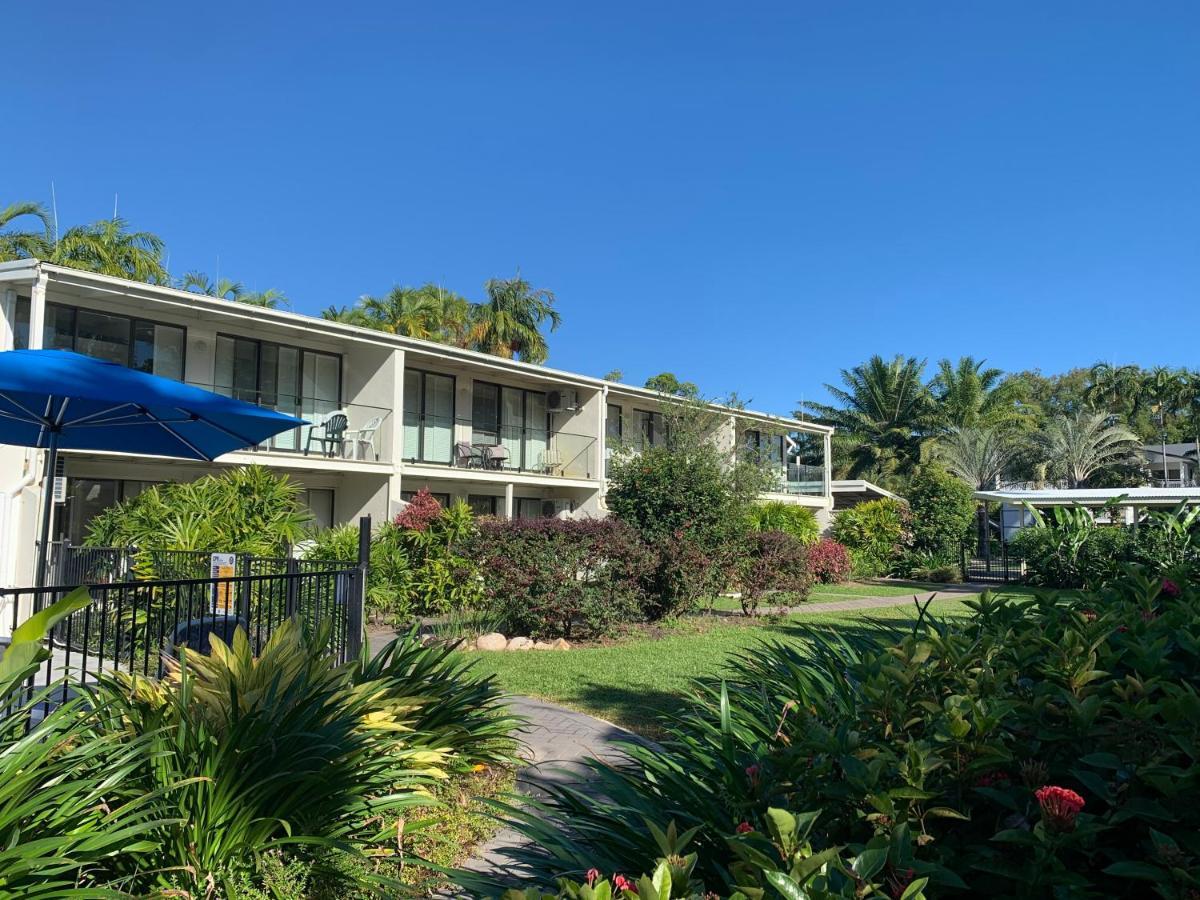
455 315
1076 447
271 298
348 315
412 312
107 247
884 415
971 396
509 322
1115 389
25 244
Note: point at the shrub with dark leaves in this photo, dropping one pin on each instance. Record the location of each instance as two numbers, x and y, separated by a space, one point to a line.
772 561
828 562
556 577
422 510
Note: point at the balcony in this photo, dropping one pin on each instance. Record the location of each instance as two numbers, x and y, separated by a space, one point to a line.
348 431
465 444
803 480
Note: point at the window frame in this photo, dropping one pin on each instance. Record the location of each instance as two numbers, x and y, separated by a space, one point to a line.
420 413
131 322
500 425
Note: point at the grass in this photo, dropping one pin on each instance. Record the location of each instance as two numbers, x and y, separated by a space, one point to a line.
635 680
829 593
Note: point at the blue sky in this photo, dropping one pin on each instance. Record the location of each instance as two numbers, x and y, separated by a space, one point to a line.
750 195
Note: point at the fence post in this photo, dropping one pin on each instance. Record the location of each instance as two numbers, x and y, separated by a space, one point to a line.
292 569
1004 557
244 596
962 559
355 612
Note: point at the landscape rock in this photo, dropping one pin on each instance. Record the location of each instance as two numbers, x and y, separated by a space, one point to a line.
560 644
542 645
520 643
493 641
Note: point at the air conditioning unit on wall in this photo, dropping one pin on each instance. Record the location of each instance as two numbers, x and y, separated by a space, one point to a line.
562 400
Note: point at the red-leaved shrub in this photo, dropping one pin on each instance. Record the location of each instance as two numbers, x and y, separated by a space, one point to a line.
828 562
772 561
422 509
552 577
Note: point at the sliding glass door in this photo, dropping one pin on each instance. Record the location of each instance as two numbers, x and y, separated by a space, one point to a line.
514 418
428 416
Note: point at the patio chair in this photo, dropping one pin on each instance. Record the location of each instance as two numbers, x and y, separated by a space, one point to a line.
360 439
196 633
465 455
495 456
551 462
330 433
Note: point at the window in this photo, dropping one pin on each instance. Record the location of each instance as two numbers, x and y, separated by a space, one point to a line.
652 429
483 505
428 416
320 503
88 497
612 423
137 343
304 383
515 418
527 508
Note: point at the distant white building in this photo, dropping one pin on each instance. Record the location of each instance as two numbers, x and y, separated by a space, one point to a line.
1014 515
1173 465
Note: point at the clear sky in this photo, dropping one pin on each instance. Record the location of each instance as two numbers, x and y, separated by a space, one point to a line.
750 195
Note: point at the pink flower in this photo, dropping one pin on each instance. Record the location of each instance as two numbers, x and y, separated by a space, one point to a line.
1089 615
1170 588
592 875
744 828
993 780
1060 806
621 883
752 773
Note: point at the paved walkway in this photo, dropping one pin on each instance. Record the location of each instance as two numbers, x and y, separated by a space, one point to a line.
557 741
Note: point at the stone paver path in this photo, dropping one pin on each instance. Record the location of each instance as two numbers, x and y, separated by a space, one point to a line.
557 740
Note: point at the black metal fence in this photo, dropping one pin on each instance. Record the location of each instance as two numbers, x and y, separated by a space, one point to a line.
994 564
131 623
71 564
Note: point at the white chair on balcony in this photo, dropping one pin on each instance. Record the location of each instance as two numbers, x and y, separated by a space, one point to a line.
551 462
363 439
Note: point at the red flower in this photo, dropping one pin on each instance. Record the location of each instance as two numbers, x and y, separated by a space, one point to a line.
1170 588
993 780
744 828
592 875
1122 628
752 773
1060 806
621 883
1088 615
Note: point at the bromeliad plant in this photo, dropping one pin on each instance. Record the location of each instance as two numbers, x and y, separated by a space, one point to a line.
1044 746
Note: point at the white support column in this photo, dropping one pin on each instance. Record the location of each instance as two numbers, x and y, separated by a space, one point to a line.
508 501
602 440
8 316
828 448
37 311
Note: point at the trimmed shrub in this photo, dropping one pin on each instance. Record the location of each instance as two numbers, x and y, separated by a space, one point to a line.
875 533
1046 746
772 561
563 577
798 521
421 512
1061 557
828 562
943 512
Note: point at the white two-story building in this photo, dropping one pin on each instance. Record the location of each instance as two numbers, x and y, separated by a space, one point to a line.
391 414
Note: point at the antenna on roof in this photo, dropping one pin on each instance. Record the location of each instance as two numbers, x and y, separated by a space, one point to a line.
115 195
54 211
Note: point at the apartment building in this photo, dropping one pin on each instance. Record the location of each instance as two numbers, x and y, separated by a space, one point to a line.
390 415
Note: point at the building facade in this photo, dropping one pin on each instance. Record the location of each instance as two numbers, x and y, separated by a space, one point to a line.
390 415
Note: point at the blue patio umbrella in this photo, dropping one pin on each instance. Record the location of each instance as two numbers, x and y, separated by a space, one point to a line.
58 400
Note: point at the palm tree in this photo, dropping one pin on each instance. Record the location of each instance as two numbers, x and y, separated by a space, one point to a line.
25 244
970 396
1078 446
271 298
348 315
1116 389
980 457
509 322
884 415
225 288
412 312
107 247
455 315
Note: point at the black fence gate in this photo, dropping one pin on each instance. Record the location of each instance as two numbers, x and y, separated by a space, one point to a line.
995 565
131 622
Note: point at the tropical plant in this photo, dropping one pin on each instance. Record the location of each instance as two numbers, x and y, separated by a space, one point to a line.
389 572
883 414
971 396
509 322
109 248
875 533
1076 447
251 509
775 515
829 562
25 244
999 755
408 311
225 288
444 577
943 508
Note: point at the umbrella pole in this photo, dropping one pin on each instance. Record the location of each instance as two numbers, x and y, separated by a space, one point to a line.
47 509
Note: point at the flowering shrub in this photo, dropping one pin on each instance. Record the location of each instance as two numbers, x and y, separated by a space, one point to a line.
772 561
1043 746
828 562
551 577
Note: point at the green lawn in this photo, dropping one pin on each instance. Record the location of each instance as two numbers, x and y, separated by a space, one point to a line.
829 593
632 681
